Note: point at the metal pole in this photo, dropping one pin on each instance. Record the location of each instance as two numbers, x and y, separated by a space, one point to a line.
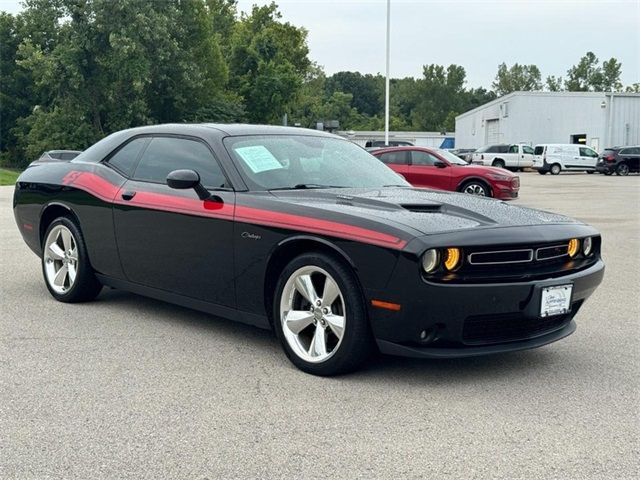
386 90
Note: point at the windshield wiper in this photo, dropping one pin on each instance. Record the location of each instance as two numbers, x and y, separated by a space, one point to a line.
305 186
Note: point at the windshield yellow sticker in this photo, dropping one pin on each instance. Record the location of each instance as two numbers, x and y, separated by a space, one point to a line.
258 158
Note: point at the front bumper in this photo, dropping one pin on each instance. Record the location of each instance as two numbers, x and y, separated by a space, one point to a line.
447 313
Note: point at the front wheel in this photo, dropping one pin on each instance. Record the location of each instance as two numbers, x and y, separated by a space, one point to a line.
542 172
320 316
476 188
65 264
590 172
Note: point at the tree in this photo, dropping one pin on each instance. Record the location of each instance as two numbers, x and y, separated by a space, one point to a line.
367 90
553 83
268 63
584 76
440 92
611 72
517 78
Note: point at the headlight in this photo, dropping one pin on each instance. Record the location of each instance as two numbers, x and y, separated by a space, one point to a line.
574 246
496 176
452 258
587 246
430 260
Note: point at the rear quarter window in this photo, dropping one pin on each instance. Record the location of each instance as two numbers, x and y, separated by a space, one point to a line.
126 157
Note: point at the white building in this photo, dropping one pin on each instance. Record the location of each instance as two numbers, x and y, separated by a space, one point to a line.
596 119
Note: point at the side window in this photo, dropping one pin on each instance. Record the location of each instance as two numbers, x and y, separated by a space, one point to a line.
527 149
493 149
165 154
124 160
423 159
396 158
587 152
513 149
502 149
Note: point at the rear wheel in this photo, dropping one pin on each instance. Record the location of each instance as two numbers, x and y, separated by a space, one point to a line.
555 169
590 172
320 316
475 187
498 163
65 264
622 169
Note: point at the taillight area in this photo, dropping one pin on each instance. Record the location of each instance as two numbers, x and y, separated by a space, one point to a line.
610 158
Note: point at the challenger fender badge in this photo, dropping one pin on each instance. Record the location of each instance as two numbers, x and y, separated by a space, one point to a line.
250 236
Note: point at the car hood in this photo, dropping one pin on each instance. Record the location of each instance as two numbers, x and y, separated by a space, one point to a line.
421 210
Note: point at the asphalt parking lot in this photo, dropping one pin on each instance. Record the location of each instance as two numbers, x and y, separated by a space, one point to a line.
128 387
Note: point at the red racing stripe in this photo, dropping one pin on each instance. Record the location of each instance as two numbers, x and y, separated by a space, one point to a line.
106 191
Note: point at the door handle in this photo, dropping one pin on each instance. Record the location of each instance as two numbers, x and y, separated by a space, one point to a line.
128 195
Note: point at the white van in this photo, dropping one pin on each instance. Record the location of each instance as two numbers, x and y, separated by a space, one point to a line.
556 157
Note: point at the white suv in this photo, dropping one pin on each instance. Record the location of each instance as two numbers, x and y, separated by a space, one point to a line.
564 156
514 156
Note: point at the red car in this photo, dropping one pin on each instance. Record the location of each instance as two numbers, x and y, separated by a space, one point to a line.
436 168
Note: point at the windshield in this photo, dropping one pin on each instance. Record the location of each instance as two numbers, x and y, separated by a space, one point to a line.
269 162
450 157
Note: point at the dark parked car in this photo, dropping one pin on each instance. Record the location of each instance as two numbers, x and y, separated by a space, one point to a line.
392 143
621 160
464 153
270 226
58 155
436 168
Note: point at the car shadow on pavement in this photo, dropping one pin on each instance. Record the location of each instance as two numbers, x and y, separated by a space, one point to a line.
380 368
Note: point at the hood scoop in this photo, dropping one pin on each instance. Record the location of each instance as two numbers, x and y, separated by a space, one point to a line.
422 207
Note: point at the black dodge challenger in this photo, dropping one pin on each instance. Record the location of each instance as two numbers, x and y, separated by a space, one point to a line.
306 233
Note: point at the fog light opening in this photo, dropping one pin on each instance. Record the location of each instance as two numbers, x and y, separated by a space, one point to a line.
452 257
573 247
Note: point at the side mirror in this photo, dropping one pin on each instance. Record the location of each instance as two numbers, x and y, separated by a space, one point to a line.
184 179
439 164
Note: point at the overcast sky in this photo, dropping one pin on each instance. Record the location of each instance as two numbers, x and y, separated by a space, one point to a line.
350 34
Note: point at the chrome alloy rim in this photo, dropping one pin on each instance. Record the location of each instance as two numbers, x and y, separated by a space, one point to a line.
60 259
474 189
312 314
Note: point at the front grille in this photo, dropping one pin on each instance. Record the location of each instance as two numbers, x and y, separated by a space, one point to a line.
501 257
555 251
509 327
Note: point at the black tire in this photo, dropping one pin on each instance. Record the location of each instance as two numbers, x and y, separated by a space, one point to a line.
555 169
590 172
357 342
476 185
85 286
498 163
622 170
542 172
608 172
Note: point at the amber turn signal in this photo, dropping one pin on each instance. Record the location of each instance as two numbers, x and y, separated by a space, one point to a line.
452 258
574 246
386 305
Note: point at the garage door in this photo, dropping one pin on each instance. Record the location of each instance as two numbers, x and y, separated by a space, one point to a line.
492 131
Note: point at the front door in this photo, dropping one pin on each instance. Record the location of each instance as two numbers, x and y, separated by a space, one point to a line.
588 158
423 173
170 239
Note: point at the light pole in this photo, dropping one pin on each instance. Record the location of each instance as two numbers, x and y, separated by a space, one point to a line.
386 84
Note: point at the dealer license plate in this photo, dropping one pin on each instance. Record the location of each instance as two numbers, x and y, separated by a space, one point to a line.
555 300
